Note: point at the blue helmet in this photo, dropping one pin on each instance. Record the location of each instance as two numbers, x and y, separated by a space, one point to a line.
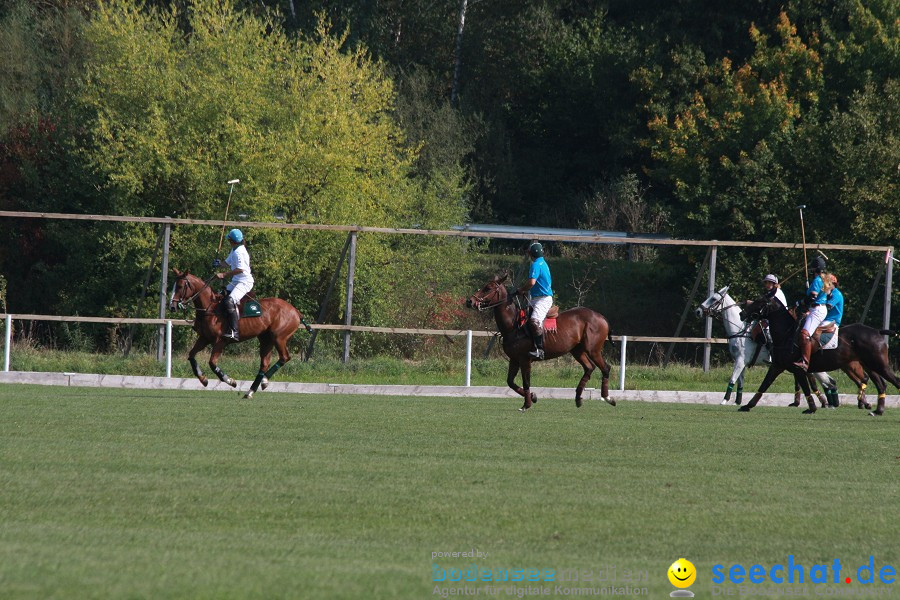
236 236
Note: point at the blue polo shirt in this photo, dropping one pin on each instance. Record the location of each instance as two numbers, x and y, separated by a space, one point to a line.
540 272
816 286
835 305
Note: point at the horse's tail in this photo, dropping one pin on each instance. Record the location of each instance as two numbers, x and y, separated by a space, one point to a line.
890 332
609 337
303 320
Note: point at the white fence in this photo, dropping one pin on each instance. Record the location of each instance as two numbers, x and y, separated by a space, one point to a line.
468 333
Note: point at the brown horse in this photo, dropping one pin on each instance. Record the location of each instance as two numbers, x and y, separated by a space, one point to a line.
580 332
274 328
856 343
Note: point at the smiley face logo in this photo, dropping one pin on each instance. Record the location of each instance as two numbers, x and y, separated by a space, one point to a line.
682 573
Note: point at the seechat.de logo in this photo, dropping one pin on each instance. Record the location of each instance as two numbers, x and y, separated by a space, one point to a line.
795 572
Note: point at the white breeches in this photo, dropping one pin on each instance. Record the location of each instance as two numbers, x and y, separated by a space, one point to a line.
541 305
236 291
814 318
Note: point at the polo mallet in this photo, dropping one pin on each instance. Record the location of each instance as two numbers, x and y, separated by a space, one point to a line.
227 206
803 234
806 268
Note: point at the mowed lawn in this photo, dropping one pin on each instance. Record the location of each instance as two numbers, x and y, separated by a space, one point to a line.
159 494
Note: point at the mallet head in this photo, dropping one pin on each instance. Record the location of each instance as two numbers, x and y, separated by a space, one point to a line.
233 181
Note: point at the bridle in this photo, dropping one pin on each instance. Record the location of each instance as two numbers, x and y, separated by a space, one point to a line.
183 302
715 311
479 302
716 308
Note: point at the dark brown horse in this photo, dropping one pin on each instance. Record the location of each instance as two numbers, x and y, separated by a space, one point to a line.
580 332
856 343
274 328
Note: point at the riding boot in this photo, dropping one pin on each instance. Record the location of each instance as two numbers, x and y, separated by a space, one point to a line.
805 351
233 318
537 335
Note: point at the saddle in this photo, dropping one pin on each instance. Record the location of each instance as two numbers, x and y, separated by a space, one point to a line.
249 306
757 335
549 320
826 336
823 338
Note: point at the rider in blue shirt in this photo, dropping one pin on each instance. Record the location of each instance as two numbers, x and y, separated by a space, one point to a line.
835 304
816 296
539 284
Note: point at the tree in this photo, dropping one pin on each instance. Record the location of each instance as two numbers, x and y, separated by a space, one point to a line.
724 158
309 129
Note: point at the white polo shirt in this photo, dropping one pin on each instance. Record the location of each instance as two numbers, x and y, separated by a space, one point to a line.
239 258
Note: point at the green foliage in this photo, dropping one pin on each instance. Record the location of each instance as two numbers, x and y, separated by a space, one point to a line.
21 57
863 146
308 128
723 156
703 120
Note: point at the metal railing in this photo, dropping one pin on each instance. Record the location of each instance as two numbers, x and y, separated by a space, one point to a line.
468 333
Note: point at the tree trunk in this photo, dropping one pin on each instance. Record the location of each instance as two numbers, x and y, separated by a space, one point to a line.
454 91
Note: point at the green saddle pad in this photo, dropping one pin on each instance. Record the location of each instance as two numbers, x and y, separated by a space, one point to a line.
251 309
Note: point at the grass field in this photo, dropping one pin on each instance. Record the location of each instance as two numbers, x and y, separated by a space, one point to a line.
150 494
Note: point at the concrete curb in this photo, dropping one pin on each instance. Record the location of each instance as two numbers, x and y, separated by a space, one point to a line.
163 383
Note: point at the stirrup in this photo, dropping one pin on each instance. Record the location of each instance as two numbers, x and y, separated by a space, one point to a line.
537 353
232 335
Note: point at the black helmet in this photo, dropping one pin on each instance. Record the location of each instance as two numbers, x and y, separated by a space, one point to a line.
536 249
817 265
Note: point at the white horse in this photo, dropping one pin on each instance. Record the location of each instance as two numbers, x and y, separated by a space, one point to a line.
744 348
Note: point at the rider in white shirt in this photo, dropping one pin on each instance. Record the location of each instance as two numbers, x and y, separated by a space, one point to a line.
770 282
241 280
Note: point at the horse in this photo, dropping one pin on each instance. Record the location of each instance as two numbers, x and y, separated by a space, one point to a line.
274 328
856 342
746 351
580 332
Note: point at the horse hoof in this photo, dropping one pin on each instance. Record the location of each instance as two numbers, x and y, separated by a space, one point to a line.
737 402
523 409
265 384
578 402
204 381
534 398
610 401
231 382
744 408
809 411
795 403
724 402
248 396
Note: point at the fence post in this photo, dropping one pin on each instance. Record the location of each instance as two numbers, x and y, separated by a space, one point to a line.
164 283
710 288
348 310
168 348
888 292
622 363
8 337
468 358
